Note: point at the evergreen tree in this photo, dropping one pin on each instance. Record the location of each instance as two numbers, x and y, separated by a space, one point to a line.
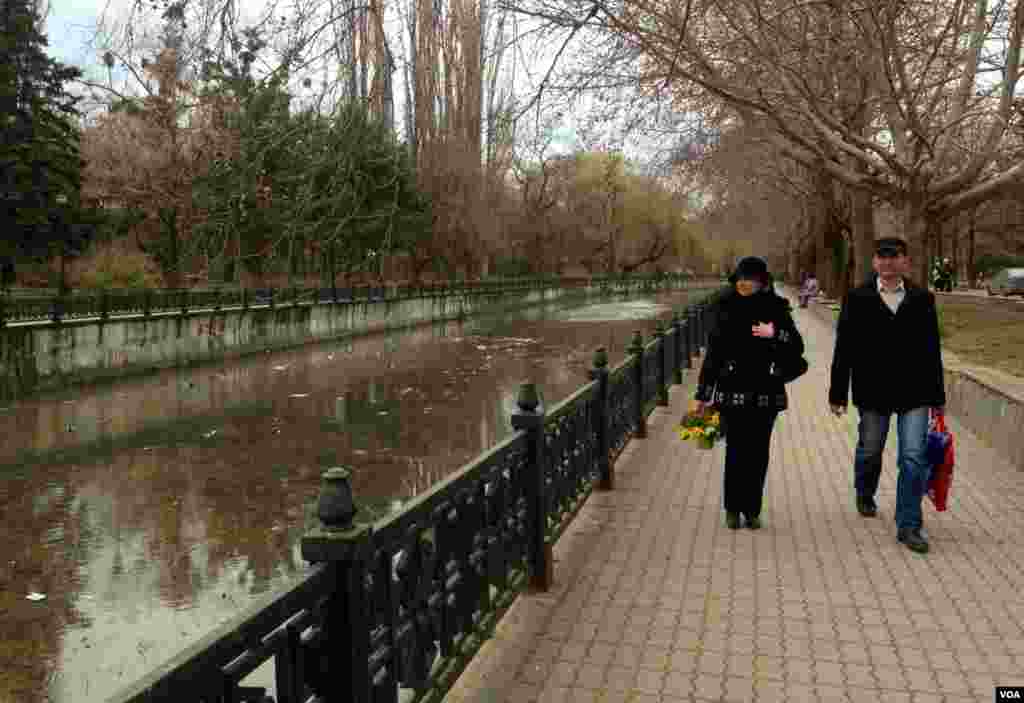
40 165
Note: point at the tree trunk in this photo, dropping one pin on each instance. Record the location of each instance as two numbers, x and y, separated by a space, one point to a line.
954 247
862 225
915 229
820 231
971 222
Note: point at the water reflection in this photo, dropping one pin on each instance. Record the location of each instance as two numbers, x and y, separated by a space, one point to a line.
150 511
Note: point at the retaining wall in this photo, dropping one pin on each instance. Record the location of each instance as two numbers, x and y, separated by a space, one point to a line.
45 356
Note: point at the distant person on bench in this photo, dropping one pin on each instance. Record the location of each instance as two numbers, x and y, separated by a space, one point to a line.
808 290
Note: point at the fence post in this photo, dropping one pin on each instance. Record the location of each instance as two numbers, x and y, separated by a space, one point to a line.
184 301
661 347
270 297
104 304
3 310
216 300
57 308
245 298
699 312
599 373
636 348
677 362
530 418
691 324
702 325
339 670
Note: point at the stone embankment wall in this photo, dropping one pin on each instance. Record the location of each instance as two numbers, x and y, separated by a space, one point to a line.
45 356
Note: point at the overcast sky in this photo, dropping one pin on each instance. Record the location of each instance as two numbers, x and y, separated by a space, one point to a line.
68 27
71 24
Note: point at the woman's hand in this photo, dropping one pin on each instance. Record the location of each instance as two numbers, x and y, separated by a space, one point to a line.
765 330
699 406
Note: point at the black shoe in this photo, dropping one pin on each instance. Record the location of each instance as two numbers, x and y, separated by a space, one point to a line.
732 521
913 538
754 522
867 507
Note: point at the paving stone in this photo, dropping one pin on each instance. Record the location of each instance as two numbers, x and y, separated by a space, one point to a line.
862 695
563 674
859 675
800 671
626 656
648 681
555 694
770 691
619 679
709 687
922 680
683 660
831 694
590 676
655 658
894 697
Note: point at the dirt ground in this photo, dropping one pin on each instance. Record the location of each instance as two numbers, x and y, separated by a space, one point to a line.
985 334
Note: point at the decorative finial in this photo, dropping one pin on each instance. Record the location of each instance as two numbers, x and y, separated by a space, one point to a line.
335 507
528 400
637 341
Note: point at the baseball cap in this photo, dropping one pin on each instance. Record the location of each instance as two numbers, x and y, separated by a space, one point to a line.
890 246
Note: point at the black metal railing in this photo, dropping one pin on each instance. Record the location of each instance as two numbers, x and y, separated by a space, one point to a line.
405 602
107 304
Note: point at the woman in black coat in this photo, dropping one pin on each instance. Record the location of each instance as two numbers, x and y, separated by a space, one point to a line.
751 343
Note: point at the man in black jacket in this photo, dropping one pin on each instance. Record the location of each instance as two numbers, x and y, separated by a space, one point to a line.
887 339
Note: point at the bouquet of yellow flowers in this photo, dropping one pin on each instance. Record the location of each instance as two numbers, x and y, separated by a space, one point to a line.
705 427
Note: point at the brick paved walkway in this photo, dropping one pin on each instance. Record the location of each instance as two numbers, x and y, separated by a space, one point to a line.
656 600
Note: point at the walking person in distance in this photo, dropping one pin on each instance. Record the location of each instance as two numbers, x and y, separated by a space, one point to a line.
752 337
887 342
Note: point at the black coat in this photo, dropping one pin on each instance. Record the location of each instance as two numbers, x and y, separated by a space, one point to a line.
741 370
895 360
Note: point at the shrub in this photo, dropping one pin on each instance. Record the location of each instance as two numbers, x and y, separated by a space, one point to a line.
113 267
988 264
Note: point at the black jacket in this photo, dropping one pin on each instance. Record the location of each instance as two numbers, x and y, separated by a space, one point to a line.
740 370
895 359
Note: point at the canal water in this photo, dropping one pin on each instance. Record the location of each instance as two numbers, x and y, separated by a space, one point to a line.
136 517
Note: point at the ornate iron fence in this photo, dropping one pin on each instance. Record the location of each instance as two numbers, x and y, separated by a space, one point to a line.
17 309
402 604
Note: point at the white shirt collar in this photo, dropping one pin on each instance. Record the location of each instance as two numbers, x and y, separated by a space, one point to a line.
900 288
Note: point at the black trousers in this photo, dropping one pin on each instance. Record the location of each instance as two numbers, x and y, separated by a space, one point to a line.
747 441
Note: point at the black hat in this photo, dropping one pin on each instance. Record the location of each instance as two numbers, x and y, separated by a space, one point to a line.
890 246
751 267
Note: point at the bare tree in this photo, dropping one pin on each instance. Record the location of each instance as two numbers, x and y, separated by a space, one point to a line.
882 97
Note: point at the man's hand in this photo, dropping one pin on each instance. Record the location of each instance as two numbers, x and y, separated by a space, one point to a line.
838 410
764 329
699 406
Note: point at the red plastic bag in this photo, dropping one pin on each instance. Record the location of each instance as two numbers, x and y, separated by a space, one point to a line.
941 479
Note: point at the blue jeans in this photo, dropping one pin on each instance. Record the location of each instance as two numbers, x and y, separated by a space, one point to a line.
914 470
